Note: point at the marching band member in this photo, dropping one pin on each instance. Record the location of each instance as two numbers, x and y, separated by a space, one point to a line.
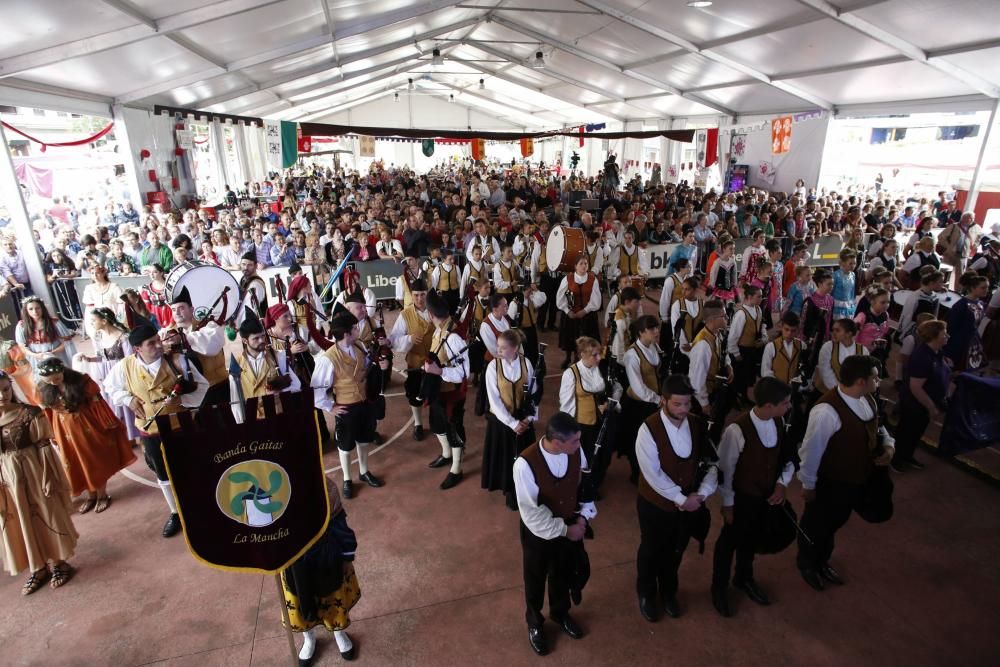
843 446
627 260
411 274
411 336
615 301
624 315
474 274
756 464
252 288
583 395
490 246
263 370
447 412
710 372
912 268
367 297
513 411
595 252
548 279
340 387
151 380
524 311
672 447
493 325
506 273
446 280
781 357
553 522
642 364
747 337
924 300
206 342
579 299
480 305
673 286
834 352
687 317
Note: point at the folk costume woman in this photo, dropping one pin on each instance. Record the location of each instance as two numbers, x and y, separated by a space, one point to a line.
91 439
37 531
965 345
110 346
39 334
579 299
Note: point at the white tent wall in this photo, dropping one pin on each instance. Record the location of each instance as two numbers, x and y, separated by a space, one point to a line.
802 161
155 134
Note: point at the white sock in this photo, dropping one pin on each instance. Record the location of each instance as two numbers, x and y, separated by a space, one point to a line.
445 447
416 416
308 644
344 642
345 464
363 457
168 494
456 459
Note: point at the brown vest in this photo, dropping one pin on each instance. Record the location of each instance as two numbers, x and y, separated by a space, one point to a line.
585 402
683 472
849 455
559 494
581 292
751 328
758 467
785 369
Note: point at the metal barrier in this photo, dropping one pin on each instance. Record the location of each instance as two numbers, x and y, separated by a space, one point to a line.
67 301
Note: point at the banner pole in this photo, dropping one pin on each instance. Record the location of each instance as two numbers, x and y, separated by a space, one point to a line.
284 617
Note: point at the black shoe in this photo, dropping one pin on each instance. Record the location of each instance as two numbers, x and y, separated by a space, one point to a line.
440 462
451 480
348 489
812 578
511 501
647 607
348 654
570 627
172 526
915 464
753 591
720 600
671 607
831 575
418 433
371 480
537 640
377 438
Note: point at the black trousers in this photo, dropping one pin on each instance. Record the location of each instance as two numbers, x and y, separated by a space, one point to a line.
414 378
663 537
154 457
822 518
746 372
738 539
633 414
547 312
913 423
530 345
447 417
546 565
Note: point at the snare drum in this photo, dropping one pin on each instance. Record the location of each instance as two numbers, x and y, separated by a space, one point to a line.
206 283
638 283
565 246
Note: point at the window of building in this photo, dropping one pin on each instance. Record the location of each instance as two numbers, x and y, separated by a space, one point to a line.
956 132
882 135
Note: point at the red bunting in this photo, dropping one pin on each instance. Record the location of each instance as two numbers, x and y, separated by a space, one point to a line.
527 147
478 149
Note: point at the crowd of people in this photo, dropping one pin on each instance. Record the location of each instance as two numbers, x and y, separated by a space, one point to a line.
741 375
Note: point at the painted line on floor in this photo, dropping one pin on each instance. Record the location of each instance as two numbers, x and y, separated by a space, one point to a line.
385 444
142 480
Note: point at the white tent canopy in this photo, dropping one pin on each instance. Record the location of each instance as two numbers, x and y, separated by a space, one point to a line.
604 60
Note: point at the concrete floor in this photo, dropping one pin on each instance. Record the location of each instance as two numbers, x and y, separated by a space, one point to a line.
441 582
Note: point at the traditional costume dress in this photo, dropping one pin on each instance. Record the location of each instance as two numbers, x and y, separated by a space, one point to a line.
723 279
111 350
576 294
844 294
525 313
965 345
745 343
40 342
686 320
34 494
506 388
582 391
641 399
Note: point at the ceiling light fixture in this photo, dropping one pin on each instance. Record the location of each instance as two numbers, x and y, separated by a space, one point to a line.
409 85
698 4
538 62
436 58
395 97
451 98
482 84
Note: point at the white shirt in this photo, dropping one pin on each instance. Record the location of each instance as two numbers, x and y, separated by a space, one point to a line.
767 359
732 446
692 308
612 306
632 370
400 337
701 360
392 247
538 518
823 423
257 365
491 244
589 377
207 341
486 333
466 276
649 461
457 351
323 378
562 303
511 371
512 268
825 365
736 327
619 343
116 385
667 296
537 298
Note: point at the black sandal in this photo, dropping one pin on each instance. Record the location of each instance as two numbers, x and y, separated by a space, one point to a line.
61 574
103 503
88 505
35 581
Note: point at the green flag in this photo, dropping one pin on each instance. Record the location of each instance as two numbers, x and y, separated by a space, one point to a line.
289 144
427 147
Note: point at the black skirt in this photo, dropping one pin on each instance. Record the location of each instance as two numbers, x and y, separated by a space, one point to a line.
501 448
633 414
571 329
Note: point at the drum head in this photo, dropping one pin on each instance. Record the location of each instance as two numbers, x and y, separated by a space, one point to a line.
554 248
205 283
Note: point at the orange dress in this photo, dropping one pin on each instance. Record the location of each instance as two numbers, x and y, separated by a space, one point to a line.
93 442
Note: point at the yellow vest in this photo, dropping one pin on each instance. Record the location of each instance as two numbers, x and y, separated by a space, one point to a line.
479 310
586 402
476 273
592 255
751 328
366 334
713 365
648 373
149 390
527 314
407 294
213 367
678 289
441 334
628 264
835 364
416 325
254 385
691 323
447 280
543 265
784 368
349 375
512 393
509 276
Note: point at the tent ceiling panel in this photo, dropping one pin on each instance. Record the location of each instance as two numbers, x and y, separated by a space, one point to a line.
188 96
984 63
157 9
610 40
691 71
902 81
31 25
819 44
935 24
756 98
120 70
666 105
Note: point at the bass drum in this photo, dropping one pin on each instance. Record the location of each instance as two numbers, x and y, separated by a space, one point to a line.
564 247
211 287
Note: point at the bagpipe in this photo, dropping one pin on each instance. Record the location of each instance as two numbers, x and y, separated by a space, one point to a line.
430 384
532 396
